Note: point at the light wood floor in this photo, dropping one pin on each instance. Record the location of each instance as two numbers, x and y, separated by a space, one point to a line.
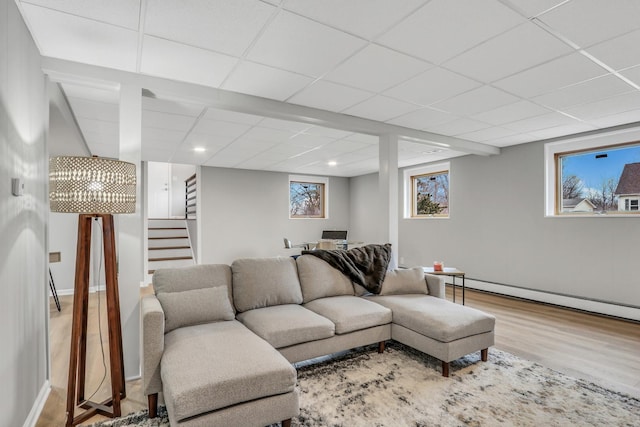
599 349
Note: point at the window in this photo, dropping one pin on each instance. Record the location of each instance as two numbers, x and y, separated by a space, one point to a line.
593 175
427 192
308 197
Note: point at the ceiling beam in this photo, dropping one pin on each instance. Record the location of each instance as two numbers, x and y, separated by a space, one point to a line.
73 72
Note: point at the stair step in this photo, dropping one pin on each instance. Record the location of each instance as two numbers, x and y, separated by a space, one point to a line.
171 258
167 228
170 252
167 232
160 248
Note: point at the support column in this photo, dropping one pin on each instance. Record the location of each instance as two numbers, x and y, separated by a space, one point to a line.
388 194
130 231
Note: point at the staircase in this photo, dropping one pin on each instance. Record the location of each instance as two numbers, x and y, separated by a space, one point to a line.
169 244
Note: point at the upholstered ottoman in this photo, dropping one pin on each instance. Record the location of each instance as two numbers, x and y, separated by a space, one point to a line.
439 327
222 374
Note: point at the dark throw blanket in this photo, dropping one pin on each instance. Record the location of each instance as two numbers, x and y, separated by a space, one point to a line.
366 265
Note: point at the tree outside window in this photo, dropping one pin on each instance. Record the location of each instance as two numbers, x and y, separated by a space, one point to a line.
431 194
306 199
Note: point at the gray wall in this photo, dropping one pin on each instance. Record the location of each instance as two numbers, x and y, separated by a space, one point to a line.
245 213
498 233
363 209
23 154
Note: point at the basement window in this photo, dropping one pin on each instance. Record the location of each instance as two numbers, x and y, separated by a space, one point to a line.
593 176
308 197
427 191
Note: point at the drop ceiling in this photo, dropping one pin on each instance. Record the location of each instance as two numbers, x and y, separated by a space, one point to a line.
493 72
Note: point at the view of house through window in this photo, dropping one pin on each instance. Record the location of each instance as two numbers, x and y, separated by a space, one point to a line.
307 197
599 180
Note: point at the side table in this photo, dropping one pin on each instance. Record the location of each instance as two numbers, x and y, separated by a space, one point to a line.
452 272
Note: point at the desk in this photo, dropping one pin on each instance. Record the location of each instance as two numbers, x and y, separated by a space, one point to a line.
452 272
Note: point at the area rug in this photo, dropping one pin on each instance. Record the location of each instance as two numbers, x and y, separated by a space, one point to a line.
404 387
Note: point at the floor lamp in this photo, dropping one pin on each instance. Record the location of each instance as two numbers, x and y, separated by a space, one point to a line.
94 188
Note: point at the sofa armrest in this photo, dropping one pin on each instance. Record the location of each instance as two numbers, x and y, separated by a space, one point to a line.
152 343
435 285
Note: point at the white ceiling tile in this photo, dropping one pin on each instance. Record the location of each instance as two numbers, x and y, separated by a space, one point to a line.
123 13
269 134
219 127
457 127
287 125
423 118
442 29
329 96
171 107
476 100
208 141
365 18
222 26
103 150
98 94
381 108
524 46
376 68
586 22
232 116
65 36
152 155
288 149
307 140
507 141
619 53
558 73
606 107
92 125
562 130
166 121
416 147
256 163
591 90
162 136
267 82
511 112
300 45
431 86
94 109
533 8
633 74
361 137
344 146
488 134
544 121
177 61
632 116
328 132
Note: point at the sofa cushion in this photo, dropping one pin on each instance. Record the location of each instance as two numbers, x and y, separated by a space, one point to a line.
215 365
193 277
264 282
195 306
404 281
436 318
286 325
350 313
318 279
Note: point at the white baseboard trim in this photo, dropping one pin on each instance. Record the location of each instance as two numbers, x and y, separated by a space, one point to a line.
593 306
38 405
92 289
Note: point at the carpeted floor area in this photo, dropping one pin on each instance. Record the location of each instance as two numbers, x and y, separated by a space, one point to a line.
403 387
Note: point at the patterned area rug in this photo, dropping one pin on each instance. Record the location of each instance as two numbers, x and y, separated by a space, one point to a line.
404 387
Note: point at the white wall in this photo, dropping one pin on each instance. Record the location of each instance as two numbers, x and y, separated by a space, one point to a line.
363 209
498 233
246 214
23 222
179 173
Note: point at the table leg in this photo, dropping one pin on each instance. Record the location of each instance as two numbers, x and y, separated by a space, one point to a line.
463 289
454 288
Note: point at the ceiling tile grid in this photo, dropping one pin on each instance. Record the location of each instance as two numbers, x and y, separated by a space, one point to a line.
500 72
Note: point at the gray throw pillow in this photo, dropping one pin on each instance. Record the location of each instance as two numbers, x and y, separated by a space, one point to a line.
405 281
195 306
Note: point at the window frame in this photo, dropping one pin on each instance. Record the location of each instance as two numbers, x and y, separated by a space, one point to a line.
410 200
307 179
590 142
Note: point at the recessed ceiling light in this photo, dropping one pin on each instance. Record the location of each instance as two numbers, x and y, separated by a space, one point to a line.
332 163
199 149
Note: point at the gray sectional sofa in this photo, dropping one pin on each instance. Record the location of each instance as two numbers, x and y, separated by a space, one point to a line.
219 341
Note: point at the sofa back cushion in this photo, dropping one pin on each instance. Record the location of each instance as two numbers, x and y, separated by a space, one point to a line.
194 295
318 279
195 307
404 281
265 282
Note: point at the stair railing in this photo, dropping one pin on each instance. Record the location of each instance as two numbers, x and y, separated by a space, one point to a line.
190 197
